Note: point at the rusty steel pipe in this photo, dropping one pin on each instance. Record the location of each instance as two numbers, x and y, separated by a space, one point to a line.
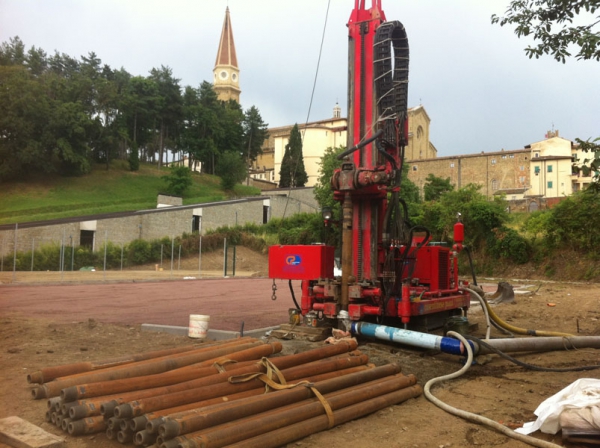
53 402
110 434
280 362
53 372
93 407
347 218
155 419
141 368
50 373
218 414
144 438
66 407
108 408
174 376
64 424
58 419
142 406
114 423
291 433
89 425
125 436
295 412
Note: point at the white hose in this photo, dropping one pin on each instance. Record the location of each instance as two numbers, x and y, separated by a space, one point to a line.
484 308
474 417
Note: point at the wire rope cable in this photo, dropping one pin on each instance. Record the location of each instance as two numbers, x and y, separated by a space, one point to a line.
312 95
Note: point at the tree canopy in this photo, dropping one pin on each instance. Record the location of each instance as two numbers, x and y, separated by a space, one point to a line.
551 24
435 187
65 115
292 172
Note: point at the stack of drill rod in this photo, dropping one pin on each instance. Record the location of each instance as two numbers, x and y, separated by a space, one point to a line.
239 392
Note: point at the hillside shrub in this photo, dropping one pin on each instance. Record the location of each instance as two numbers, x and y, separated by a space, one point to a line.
508 244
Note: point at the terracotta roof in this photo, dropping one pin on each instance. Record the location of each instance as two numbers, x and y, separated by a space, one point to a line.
226 54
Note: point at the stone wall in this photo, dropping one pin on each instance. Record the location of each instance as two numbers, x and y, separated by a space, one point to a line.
122 228
494 171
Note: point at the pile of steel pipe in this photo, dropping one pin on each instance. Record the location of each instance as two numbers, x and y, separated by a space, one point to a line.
234 392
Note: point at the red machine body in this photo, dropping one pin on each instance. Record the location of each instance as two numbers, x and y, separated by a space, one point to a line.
301 262
390 269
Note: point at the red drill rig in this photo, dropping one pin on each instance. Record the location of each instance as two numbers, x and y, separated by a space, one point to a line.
390 270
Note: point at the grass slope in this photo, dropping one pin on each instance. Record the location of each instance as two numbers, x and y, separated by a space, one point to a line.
102 191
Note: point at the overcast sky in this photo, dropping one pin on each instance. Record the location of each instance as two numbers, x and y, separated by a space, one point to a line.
479 88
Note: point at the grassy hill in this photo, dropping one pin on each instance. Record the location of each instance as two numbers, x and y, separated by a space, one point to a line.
102 191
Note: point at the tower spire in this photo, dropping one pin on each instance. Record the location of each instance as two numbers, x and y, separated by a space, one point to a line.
226 71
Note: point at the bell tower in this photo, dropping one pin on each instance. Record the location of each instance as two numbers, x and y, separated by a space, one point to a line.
226 71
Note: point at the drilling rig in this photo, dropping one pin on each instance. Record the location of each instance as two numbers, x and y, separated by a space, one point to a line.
391 271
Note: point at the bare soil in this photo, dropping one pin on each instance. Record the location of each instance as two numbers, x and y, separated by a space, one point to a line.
45 324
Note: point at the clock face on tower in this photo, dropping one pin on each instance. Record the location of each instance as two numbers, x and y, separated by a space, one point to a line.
234 77
223 74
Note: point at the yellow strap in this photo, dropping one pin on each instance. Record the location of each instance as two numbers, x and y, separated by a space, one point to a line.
219 365
267 377
325 405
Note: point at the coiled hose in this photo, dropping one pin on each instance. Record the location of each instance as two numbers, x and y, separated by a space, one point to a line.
474 417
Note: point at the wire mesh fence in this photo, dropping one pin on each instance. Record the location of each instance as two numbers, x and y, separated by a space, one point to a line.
26 259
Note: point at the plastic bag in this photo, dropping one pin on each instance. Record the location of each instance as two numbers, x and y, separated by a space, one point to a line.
583 393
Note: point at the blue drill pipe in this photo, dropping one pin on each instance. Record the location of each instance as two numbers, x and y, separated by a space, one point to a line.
408 337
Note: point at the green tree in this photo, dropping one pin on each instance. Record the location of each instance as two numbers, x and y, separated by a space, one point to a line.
178 180
255 133
575 222
550 23
479 215
134 157
169 108
231 169
410 193
435 187
292 172
323 191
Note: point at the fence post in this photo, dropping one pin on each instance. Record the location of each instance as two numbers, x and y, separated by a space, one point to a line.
121 256
105 245
179 260
224 257
62 257
161 254
233 274
72 252
15 253
172 249
200 257
32 251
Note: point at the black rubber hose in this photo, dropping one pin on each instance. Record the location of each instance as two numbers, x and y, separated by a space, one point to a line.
293 295
360 145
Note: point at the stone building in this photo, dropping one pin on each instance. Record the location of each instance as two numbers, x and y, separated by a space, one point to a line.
317 136
541 172
501 170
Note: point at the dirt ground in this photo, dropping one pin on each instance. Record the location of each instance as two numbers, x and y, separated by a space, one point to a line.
31 337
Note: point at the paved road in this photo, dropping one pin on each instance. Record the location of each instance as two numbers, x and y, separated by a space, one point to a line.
228 302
